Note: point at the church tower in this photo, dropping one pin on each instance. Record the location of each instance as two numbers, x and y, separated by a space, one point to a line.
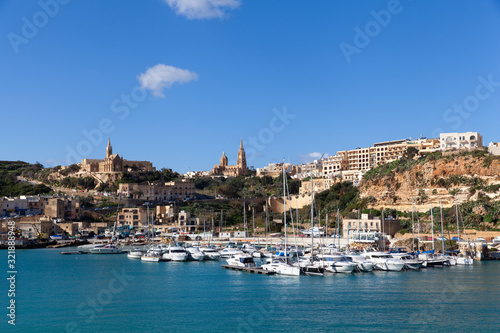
223 160
242 160
109 149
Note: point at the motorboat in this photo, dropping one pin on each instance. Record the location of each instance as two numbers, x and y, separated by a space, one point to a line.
176 253
450 260
241 260
151 256
250 249
309 267
410 262
93 244
281 266
384 261
228 252
432 261
464 259
334 263
106 249
135 253
210 252
360 263
195 254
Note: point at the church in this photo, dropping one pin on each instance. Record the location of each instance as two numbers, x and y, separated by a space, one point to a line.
240 169
114 163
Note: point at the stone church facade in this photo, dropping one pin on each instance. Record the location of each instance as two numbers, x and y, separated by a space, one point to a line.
239 169
114 163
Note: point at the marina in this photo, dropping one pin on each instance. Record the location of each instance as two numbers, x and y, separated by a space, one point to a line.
231 300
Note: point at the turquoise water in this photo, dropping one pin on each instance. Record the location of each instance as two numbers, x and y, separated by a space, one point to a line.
82 293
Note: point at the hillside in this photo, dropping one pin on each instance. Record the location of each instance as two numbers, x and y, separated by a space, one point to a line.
473 176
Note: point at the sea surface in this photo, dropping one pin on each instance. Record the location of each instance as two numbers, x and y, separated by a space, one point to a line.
110 293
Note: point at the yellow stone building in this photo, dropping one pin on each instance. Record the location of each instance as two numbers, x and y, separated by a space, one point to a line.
239 169
114 163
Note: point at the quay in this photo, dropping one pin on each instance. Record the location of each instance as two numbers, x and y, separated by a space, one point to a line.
75 252
256 270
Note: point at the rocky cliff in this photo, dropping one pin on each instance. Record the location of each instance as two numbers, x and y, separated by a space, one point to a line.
431 179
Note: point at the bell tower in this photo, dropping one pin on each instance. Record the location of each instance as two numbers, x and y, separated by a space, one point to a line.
242 160
109 149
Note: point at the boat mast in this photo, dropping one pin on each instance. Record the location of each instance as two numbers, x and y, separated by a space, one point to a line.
412 229
253 219
284 204
442 228
338 226
245 218
383 233
312 219
326 226
266 224
456 213
418 234
432 228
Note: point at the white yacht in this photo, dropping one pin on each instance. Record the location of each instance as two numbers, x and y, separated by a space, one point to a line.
210 252
135 253
195 253
280 266
430 260
334 263
151 256
106 249
409 261
309 267
93 244
464 260
228 252
241 260
360 263
175 253
384 261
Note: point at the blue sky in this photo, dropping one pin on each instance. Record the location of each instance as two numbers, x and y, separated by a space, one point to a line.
177 82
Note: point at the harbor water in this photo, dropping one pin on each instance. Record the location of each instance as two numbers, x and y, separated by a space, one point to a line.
110 293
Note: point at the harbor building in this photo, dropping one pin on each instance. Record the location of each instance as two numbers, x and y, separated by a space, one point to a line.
166 191
240 169
370 224
188 223
114 163
136 217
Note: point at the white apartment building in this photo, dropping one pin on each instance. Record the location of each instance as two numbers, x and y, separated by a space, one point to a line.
364 159
467 140
494 148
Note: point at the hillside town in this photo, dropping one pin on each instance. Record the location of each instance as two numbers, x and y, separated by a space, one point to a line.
42 216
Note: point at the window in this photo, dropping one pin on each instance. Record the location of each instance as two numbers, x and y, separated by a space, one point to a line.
136 217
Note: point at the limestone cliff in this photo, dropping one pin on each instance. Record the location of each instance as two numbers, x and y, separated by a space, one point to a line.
432 179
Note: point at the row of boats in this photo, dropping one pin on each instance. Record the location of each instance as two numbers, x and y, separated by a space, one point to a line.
294 265
288 260
174 252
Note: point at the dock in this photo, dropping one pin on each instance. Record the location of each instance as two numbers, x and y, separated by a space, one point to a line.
75 252
255 270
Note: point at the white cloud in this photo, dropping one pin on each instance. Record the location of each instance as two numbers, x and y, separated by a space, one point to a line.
306 158
203 9
161 77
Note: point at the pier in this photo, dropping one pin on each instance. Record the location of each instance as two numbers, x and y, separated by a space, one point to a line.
256 270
